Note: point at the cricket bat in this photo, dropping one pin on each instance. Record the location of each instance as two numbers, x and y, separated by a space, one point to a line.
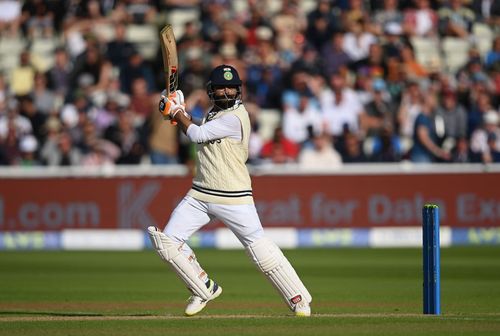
170 59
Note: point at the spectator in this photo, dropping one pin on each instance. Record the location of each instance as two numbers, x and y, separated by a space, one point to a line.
420 21
493 155
373 64
28 146
141 101
492 59
13 127
393 41
100 153
265 86
13 122
453 115
119 50
59 151
462 153
340 107
355 12
485 141
23 76
389 15
140 11
410 66
44 98
386 146
321 23
486 11
410 107
256 20
74 116
193 75
351 150
191 37
264 53
321 155
232 34
4 93
279 149
126 137
40 20
299 123
212 14
288 23
283 58
299 85
425 142
333 54
59 74
380 111
310 61
455 20
28 109
91 69
476 113
358 40
10 17
136 68
105 116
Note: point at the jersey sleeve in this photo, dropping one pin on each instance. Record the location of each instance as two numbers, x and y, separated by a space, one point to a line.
227 126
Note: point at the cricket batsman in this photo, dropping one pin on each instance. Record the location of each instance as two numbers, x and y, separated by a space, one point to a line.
221 189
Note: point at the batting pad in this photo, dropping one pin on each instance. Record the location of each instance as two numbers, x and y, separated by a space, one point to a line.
271 261
170 251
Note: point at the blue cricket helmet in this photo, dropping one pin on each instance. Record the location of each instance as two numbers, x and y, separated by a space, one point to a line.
224 75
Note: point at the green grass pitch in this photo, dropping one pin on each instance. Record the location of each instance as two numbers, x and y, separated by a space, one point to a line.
355 292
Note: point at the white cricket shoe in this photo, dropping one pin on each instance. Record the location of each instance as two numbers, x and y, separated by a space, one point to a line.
302 309
196 303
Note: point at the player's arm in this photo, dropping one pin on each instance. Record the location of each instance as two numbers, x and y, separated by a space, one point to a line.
184 120
227 126
173 108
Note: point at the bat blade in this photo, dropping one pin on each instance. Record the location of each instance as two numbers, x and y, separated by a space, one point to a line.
170 60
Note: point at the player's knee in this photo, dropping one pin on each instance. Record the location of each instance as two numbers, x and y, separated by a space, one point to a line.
253 237
175 238
166 247
265 253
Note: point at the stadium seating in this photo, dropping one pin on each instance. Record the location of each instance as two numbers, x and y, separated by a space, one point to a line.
455 52
268 120
483 37
42 52
145 37
427 51
10 48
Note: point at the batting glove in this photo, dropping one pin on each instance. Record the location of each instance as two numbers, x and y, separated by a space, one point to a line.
171 105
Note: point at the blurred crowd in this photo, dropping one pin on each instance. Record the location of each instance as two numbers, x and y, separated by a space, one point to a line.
325 82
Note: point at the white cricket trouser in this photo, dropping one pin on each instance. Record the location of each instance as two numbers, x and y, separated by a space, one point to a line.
191 214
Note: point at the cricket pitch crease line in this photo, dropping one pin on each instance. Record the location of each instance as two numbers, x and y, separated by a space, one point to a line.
244 316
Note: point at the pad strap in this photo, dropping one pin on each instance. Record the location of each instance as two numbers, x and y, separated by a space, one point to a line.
271 261
170 251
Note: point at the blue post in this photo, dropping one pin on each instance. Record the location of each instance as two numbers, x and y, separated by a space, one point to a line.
431 259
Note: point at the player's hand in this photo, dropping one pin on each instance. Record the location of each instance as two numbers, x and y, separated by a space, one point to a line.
173 104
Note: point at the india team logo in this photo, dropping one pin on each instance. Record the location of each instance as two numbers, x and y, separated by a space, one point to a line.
228 75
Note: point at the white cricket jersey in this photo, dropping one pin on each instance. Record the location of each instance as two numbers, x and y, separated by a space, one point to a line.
222 151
